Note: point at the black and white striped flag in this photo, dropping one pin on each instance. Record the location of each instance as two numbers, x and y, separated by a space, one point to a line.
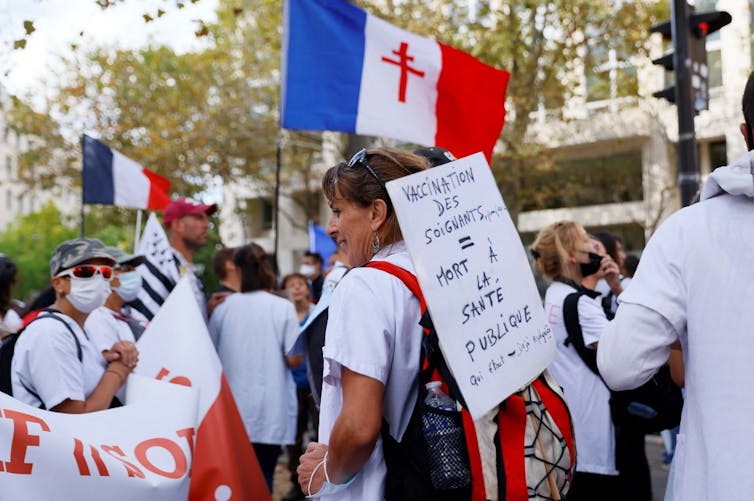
160 272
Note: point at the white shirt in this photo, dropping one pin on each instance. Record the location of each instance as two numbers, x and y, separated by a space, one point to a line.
252 332
695 283
46 361
586 395
373 329
11 322
333 276
106 330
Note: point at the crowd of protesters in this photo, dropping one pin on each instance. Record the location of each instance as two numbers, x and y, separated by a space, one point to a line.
332 396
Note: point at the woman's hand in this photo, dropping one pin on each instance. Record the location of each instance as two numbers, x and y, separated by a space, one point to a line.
610 270
124 352
310 464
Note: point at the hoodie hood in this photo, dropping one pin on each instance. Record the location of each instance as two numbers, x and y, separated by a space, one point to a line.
735 179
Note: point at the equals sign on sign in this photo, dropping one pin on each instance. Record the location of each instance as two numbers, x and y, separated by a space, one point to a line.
465 242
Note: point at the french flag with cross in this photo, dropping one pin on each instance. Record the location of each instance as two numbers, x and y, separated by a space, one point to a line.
346 70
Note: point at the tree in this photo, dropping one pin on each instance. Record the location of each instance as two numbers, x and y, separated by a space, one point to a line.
30 241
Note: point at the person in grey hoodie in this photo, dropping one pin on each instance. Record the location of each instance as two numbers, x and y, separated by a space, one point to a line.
692 290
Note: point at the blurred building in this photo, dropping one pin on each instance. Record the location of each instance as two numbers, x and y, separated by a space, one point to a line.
619 144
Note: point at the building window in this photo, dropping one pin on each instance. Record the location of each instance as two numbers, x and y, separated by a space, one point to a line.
8 167
8 200
611 76
718 154
587 181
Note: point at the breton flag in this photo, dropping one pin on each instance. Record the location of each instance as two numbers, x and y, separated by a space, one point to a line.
321 242
176 347
112 178
346 70
160 272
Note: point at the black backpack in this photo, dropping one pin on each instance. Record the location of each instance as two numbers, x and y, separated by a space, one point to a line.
8 346
652 407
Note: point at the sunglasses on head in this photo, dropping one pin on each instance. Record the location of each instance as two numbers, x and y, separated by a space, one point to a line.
88 271
360 158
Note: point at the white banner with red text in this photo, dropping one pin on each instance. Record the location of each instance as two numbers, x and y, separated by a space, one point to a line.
141 451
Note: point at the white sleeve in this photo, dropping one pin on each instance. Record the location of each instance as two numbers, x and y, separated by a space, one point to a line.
359 334
634 346
290 331
55 372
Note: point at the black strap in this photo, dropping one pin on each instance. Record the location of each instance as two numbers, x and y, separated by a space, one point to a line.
575 336
50 313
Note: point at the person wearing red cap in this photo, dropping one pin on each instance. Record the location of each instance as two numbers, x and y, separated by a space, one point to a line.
187 224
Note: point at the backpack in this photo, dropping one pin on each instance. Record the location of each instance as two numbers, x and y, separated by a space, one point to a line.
652 407
8 346
533 434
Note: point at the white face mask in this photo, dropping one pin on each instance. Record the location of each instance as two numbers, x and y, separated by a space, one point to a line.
88 294
307 269
130 285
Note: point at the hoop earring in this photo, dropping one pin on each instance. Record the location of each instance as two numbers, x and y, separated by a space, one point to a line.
376 243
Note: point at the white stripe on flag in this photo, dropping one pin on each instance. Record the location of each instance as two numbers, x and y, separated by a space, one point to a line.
154 245
131 186
381 113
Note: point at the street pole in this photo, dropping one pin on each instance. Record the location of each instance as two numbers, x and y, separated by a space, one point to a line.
688 167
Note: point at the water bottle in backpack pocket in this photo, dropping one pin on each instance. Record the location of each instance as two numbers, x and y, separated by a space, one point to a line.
444 440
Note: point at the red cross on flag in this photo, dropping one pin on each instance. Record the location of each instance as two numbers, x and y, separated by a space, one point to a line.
346 70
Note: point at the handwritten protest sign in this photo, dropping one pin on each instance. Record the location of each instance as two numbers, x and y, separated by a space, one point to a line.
140 451
476 279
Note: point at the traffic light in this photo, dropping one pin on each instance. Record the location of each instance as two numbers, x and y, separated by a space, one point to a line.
698 26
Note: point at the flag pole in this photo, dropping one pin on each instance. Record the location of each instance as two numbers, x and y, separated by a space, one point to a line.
137 233
277 195
82 186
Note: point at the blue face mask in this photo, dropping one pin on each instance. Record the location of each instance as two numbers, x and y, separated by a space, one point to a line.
130 285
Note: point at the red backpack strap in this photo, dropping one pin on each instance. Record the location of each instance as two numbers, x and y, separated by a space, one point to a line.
405 276
511 432
558 409
475 459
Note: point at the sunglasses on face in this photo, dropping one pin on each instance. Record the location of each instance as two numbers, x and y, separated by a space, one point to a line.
88 271
360 158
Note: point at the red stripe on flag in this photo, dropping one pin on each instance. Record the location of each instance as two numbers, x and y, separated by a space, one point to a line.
470 104
223 455
159 191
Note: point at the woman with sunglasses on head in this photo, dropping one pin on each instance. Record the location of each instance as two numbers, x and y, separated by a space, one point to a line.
55 364
373 337
565 255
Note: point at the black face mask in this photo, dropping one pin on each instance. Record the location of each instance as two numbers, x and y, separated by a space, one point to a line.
593 266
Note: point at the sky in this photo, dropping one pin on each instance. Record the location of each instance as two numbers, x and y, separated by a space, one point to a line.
58 23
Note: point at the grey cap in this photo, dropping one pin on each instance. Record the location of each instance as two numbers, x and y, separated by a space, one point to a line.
123 258
76 251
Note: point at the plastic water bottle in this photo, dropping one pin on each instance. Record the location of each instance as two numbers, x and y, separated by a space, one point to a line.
447 457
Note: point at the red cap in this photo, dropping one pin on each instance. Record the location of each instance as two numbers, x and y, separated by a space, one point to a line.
185 207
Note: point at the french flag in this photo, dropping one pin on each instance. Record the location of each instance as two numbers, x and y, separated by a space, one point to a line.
347 70
111 178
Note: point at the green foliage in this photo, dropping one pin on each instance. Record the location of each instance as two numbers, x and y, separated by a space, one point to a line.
30 241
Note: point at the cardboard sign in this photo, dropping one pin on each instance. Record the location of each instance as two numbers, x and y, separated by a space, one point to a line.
476 279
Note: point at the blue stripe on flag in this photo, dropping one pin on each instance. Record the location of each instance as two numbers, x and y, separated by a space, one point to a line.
320 241
324 61
97 177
